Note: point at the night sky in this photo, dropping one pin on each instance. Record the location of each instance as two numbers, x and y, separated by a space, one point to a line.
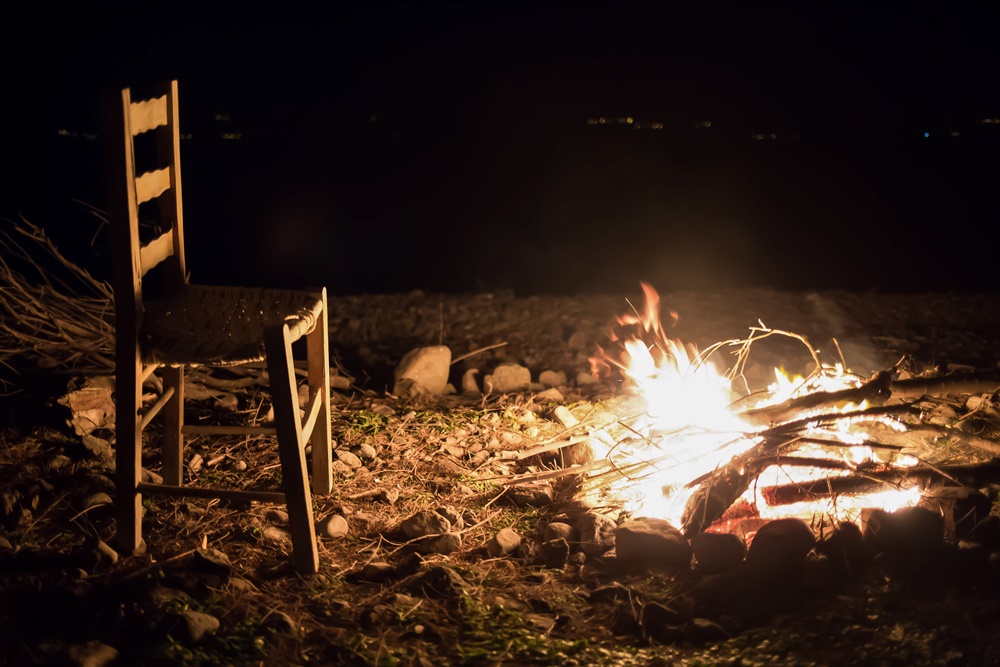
446 146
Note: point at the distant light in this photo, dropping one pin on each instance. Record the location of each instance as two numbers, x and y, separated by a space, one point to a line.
602 121
657 126
774 136
372 119
591 121
630 120
927 135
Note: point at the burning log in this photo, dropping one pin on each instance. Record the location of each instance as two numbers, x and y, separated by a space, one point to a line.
876 390
974 475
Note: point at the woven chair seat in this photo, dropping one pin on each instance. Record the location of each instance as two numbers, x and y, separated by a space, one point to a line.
222 326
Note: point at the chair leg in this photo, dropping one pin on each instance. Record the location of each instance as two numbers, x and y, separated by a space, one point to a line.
173 422
321 438
284 395
128 453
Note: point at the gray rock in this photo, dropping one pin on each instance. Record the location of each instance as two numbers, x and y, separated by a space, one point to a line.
439 544
503 543
276 515
347 458
781 546
423 523
240 466
333 526
651 542
556 530
552 394
423 370
281 622
535 494
212 561
507 378
377 571
555 553
276 534
341 469
454 518
160 596
409 564
366 451
597 533
717 552
577 558
190 627
91 654
905 530
439 582
552 379
469 385
5 544
584 378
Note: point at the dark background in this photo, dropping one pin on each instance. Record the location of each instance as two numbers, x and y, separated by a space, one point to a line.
457 147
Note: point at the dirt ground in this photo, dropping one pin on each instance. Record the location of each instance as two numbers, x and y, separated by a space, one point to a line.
66 595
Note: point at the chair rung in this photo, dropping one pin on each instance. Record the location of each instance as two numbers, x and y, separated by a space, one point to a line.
200 492
156 407
147 371
227 430
311 414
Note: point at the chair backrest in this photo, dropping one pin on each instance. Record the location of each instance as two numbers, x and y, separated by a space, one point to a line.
151 126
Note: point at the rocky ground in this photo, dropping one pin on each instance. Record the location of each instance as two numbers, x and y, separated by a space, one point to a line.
428 557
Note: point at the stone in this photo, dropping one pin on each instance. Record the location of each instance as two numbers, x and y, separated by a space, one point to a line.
377 571
275 534
846 550
341 469
423 370
347 458
550 379
212 561
553 395
507 378
5 544
276 515
91 654
584 378
191 626
662 624
332 526
366 451
717 552
439 544
423 523
281 622
409 564
906 530
469 385
555 553
160 596
597 533
556 530
534 494
454 518
439 582
780 546
703 631
503 543
651 542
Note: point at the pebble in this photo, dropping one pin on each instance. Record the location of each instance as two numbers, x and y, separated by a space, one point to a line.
332 526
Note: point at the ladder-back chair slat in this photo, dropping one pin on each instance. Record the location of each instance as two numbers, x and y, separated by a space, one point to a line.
156 251
147 115
152 184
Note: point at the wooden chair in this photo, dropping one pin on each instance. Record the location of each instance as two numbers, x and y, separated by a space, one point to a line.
190 325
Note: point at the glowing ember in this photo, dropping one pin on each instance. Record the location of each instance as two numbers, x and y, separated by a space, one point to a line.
689 427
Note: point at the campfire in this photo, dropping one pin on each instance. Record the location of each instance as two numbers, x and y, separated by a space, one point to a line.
694 444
